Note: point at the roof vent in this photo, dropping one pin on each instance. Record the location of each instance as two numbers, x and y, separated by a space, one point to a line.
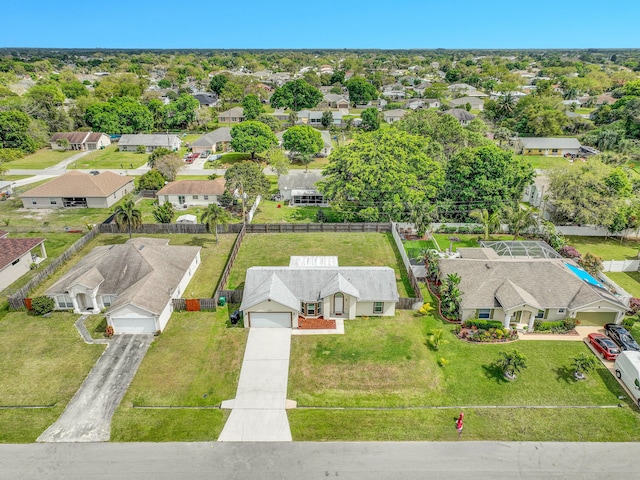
487 265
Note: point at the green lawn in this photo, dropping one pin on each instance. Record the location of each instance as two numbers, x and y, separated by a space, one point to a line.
43 362
110 157
630 281
540 162
166 379
607 248
269 212
414 248
464 240
352 249
382 362
43 158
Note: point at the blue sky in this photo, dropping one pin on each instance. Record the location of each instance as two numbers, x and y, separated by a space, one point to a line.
321 24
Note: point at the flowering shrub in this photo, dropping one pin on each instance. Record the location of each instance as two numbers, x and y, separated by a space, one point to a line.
634 305
569 252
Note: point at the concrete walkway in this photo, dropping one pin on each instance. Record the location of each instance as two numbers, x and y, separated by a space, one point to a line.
87 418
84 333
259 410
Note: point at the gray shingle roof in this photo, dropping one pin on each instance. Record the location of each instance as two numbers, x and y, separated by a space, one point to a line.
149 140
302 181
461 114
222 134
550 142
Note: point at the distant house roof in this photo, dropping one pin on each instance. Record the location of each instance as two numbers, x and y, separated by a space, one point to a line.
194 187
222 134
460 86
13 248
299 181
550 142
148 139
206 98
464 100
233 112
143 272
76 137
460 114
78 184
394 113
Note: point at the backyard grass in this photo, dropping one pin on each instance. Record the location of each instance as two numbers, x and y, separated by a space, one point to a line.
110 157
606 248
43 362
414 248
269 212
166 379
386 363
541 162
464 240
43 158
630 281
352 249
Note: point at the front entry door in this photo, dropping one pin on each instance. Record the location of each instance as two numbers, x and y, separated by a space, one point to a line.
338 303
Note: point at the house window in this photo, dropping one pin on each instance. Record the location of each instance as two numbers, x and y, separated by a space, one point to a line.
311 308
53 201
378 307
34 202
15 261
540 314
320 308
195 197
554 151
484 313
561 310
206 197
107 300
64 301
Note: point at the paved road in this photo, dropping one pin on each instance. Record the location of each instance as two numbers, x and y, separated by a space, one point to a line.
258 412
315 461
87 418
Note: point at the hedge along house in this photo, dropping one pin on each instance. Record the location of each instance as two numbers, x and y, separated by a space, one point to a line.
520 290
135 282
77 189
316 287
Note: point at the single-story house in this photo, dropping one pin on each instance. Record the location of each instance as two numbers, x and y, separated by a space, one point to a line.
394 94
392 116
316 287
314 117
218 140
300 188
16 257
135 282
80 141
191 192
549 146
414 104
475 102
461 88
518 290
334 100
206 99
461 115
233 115
131 142
281 114
77 189
432 103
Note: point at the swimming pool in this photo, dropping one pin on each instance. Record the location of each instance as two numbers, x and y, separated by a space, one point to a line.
582 274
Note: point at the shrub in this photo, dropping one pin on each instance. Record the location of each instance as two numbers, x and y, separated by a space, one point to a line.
42 305
569 324
569 252
483 324
541 326
634 305
629 322
443 362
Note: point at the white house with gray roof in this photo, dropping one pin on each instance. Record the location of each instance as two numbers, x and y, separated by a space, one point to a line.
518 290
316 287
135 282
549 146
299 188
131 142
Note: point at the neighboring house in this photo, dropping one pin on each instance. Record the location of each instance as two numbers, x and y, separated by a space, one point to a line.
432 103
461 88
414 104
192 192
300 188
461 115
548 146
5 189
520 290
150 141
80 141
135 282
218 140
233 115
77 189
394 94
333 100
392 116
281 115
314 117
16 257
206 99
316 287
475 102
534 193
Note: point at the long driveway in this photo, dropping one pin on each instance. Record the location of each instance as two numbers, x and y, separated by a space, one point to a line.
87 418
258 412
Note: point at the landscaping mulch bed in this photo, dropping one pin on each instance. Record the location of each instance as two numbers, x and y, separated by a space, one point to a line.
316 324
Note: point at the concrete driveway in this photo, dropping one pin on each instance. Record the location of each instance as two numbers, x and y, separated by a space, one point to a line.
259 410
87 418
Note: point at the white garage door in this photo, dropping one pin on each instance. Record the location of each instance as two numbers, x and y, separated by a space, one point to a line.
134 325
270 320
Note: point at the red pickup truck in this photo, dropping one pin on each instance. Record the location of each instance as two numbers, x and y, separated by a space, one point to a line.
192 157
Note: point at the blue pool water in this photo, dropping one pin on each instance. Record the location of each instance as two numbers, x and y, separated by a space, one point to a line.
583 275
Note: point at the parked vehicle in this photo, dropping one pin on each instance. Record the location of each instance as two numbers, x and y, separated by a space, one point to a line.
627 368
604 346
94 172
621 336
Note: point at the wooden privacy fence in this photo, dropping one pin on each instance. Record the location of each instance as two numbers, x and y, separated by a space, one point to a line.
194 304
317 227
227 268
156 228
417 301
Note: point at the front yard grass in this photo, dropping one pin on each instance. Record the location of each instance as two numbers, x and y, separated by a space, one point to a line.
43 158
43 362
111 158
46 219
630 281
194 363
386 363
606 248
352 249
541 162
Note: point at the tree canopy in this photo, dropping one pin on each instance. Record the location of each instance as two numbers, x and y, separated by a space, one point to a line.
252 107
252 137
119 115
247 177
361 91
303 140
296 95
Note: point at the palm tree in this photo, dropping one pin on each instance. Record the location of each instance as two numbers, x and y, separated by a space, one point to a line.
127 215
489 222
213 216
519 220
510 364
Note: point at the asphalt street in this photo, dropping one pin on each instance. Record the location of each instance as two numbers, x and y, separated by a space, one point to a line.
309 461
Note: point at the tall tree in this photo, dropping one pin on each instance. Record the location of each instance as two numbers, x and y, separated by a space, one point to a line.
181 112
490 221
252 137
304 141
252 107
361 91
128 216
169 166
213 216
248 177
278 161
14 131
327 119
519 219
217 83
119 115
370 119
296 95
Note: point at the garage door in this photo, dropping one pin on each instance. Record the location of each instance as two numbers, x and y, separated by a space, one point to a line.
134 325
596 318
270 320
